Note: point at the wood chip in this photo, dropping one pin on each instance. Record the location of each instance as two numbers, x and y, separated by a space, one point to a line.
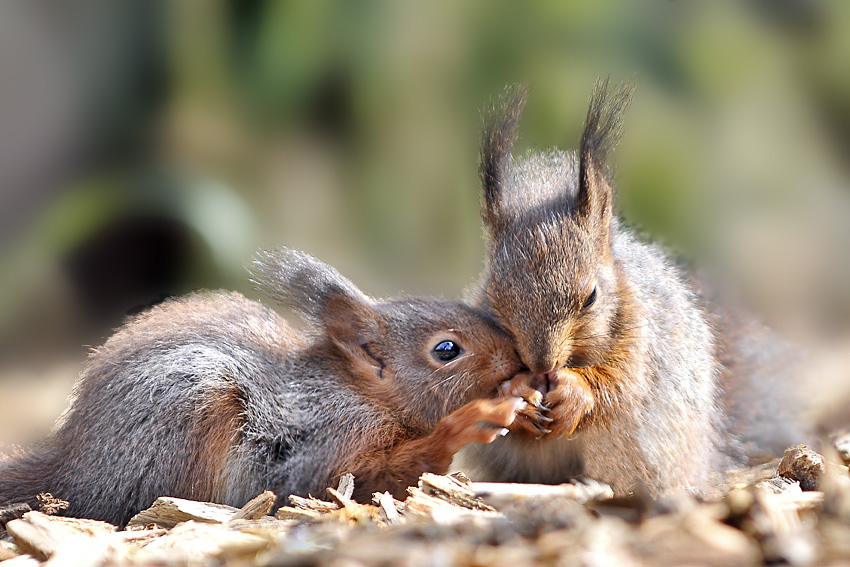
786 495
265 525
305 509
40 535
23 561
104 549
200 543
342 499
423 505
50 505
446 520
257 507
500 494
167 512
695 537
803 465
749 476
301 514
389 508
453 491
8 550
312 503
346 485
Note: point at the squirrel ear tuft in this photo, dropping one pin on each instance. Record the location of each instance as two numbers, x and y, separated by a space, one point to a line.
303 283
602 129
325 299
497 140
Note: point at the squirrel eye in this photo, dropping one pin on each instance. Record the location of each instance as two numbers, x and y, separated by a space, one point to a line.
446 351
591 299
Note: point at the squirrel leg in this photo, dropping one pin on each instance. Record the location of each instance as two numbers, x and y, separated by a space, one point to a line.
569 401
479 421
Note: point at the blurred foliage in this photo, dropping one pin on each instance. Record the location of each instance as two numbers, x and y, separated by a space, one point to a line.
349 129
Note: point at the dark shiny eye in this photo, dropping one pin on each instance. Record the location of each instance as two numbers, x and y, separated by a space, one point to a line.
446 351
591 299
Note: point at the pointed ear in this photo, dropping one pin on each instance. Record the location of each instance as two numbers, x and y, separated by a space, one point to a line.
497 140
302 283
324 298
601 132
355 328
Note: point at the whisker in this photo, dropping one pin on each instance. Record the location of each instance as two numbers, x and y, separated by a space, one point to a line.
433 372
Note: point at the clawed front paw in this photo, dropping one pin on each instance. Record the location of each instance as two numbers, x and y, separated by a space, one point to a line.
558 412
532 419
569 402
481 421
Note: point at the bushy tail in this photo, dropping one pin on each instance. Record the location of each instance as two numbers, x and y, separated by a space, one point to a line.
762 384
25 475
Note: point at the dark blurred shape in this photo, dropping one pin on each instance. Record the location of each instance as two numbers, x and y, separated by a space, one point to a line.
796 16
132 263
329 110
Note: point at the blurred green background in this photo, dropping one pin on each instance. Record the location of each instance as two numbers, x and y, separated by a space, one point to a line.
149 148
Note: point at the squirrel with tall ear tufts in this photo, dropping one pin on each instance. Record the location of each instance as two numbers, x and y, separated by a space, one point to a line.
624 356
214 397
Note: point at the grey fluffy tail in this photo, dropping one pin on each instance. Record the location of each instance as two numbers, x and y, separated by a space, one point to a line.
25 475
761 380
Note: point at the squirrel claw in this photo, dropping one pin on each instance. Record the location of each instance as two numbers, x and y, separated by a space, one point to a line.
541 429
537 417
536 400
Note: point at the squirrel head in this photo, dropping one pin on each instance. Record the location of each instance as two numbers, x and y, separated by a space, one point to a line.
551 278
421 357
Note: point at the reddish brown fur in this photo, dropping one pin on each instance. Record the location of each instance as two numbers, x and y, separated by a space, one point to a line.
214 432
584 396
407 455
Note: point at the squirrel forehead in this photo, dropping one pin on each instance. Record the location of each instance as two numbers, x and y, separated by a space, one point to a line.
547 243
544 262
434 315
541 180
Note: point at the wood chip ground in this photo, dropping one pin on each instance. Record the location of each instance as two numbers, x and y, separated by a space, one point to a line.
758 518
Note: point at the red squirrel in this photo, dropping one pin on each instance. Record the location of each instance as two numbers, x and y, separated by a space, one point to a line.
642 382
214 397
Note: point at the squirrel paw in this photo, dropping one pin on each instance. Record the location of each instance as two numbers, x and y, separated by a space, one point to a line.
480 421
570 400
533 418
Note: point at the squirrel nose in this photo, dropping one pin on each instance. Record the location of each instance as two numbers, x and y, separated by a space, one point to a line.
539 356
543 366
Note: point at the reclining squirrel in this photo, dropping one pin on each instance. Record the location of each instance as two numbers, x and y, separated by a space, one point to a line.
623 353
214 397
